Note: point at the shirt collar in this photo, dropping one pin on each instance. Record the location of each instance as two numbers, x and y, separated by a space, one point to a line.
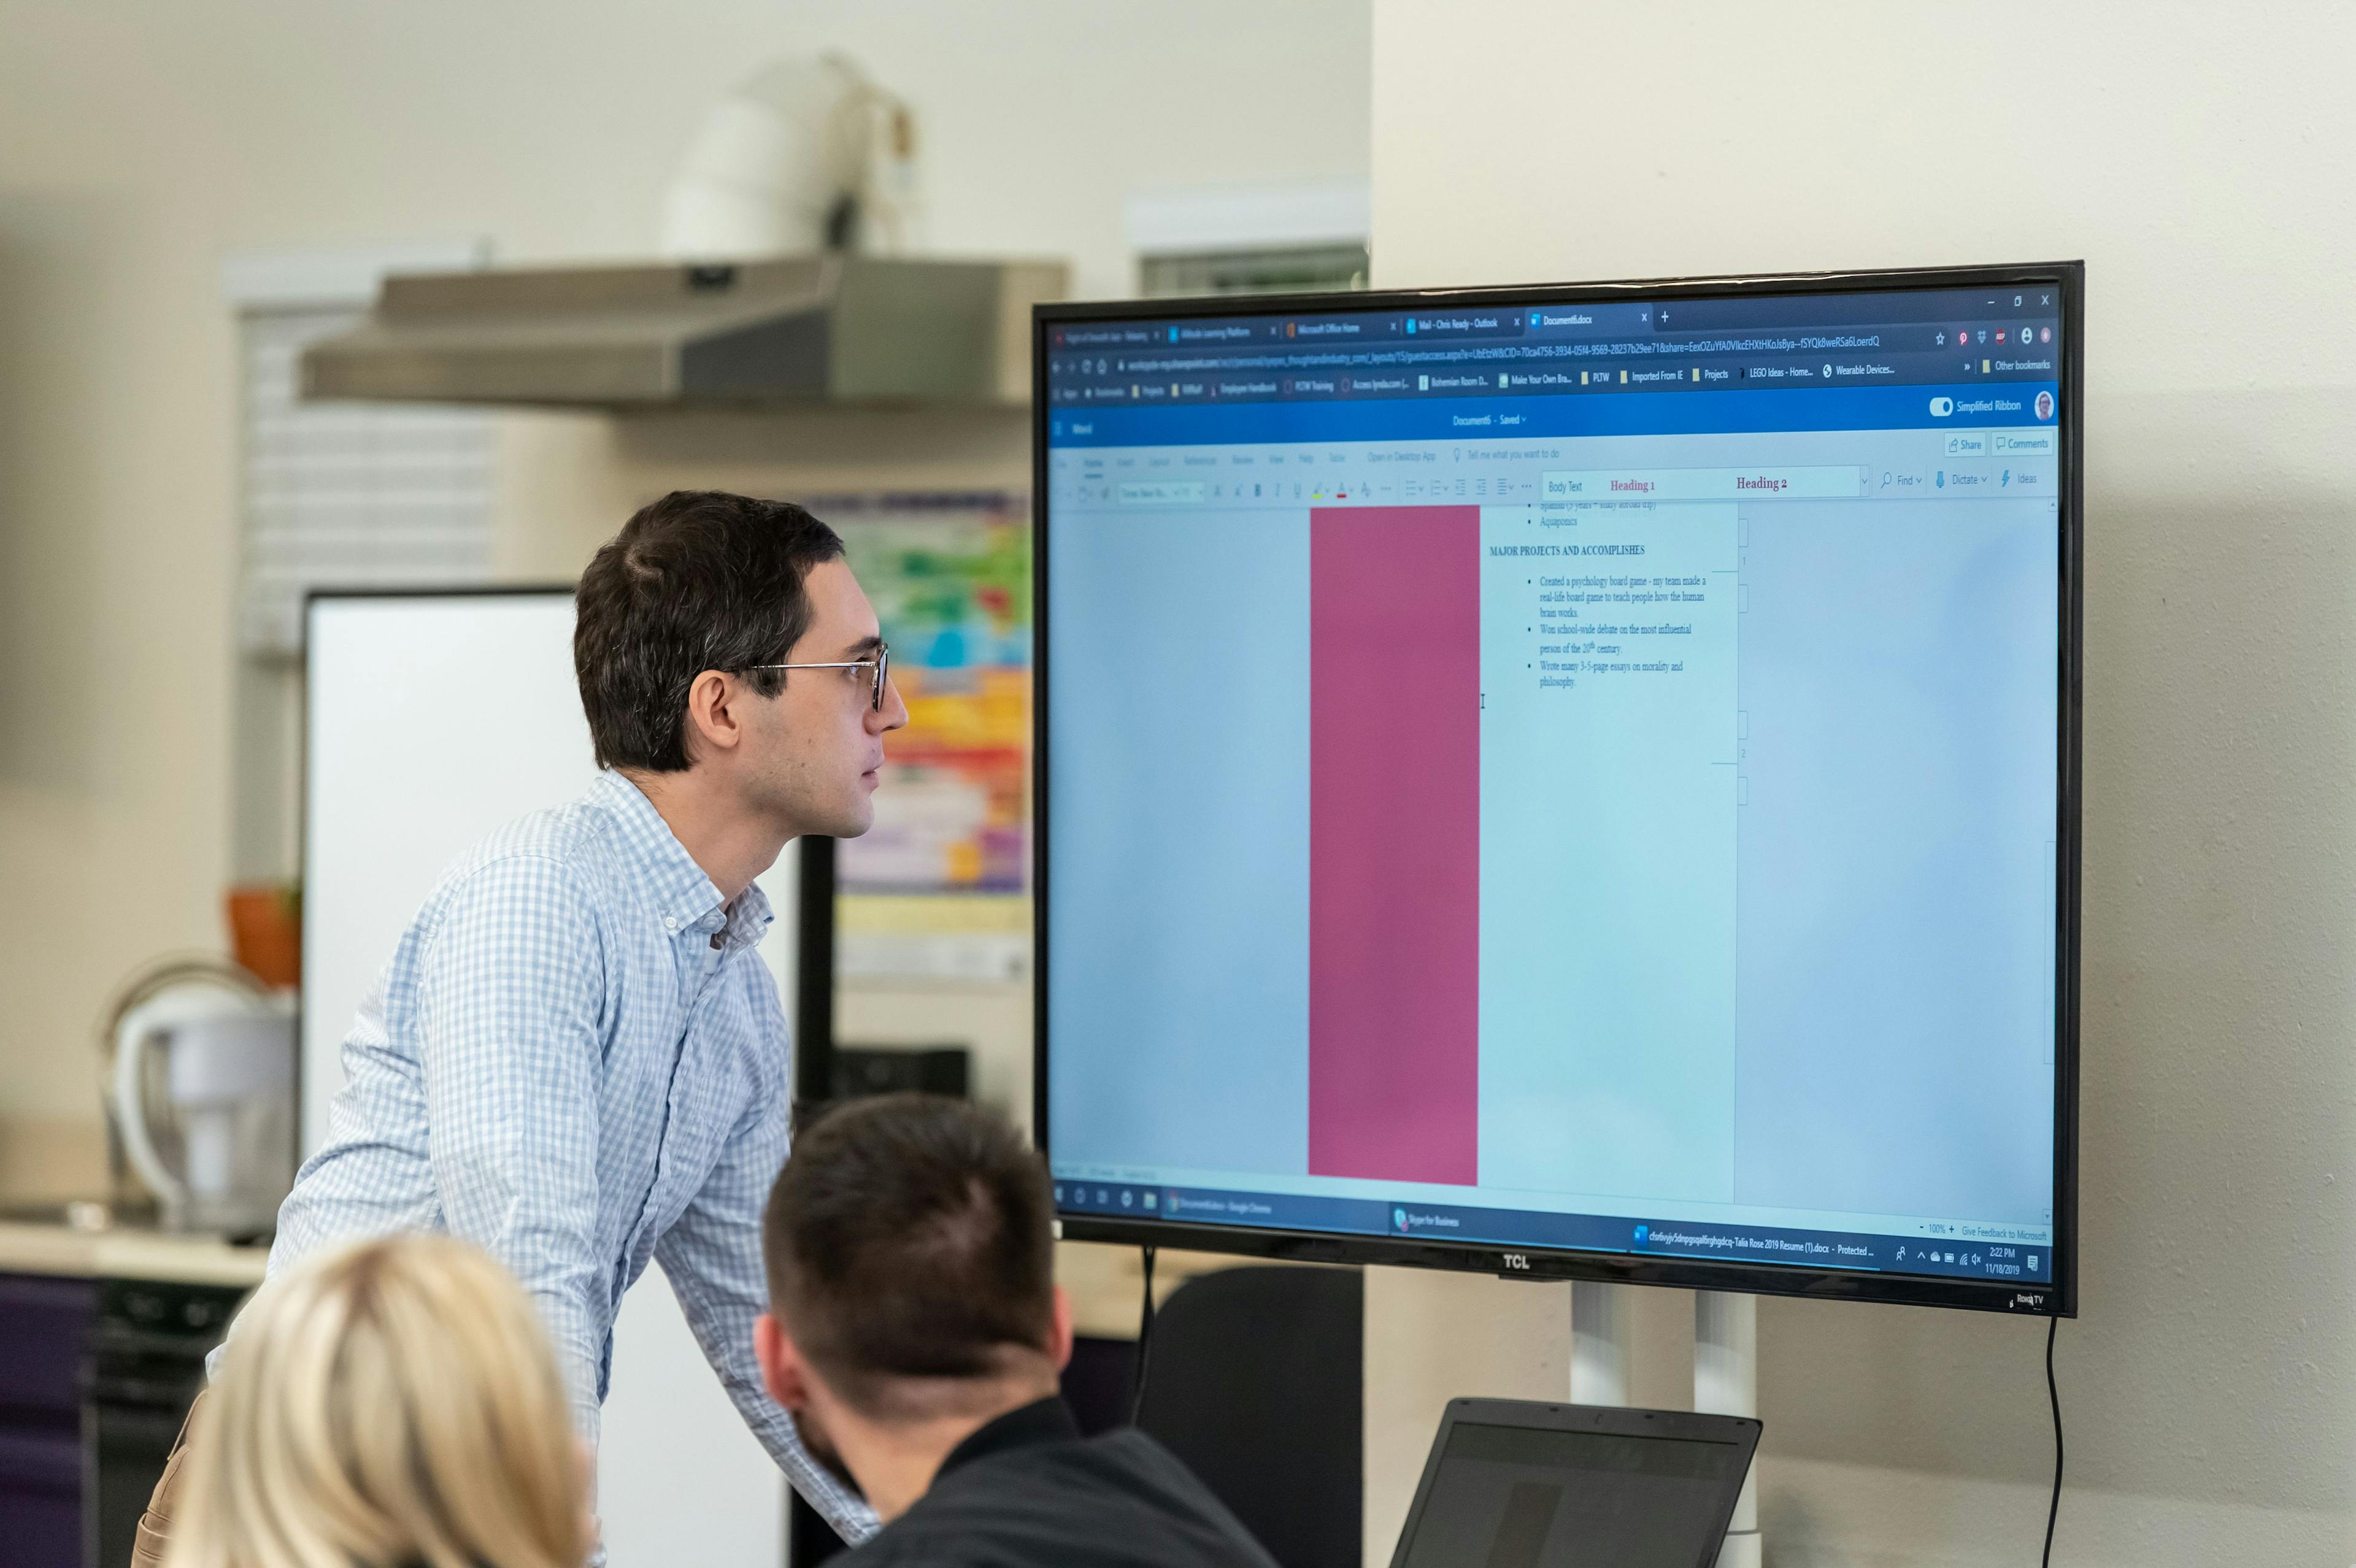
681 895
1049 1421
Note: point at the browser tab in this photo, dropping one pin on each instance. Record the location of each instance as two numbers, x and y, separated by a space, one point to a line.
1586 320
1210 332
1337 328
1465 324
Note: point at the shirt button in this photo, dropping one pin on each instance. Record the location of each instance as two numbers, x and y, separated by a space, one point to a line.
671 923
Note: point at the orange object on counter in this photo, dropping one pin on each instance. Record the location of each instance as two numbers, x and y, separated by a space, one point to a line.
265 930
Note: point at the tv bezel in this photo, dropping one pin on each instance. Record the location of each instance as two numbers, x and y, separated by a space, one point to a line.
2058 1298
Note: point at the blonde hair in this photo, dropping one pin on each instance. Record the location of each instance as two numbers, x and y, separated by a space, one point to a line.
394 1404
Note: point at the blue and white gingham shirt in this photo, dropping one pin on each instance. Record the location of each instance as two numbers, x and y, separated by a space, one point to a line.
576 1061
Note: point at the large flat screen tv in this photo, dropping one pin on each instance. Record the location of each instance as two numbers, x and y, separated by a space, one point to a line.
1573 781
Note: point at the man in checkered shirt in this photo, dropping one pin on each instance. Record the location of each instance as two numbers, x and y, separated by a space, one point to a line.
575 1059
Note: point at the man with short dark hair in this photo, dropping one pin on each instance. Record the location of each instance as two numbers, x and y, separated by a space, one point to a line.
574 1058
916 1333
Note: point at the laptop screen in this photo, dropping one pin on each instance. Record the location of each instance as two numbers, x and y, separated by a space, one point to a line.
1515 1497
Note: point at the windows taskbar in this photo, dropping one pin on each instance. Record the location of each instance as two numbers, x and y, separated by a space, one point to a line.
1958 1256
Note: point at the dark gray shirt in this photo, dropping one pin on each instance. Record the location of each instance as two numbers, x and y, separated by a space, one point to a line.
1028 1491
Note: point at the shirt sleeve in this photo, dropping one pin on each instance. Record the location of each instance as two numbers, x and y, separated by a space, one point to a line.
509 996
713 1256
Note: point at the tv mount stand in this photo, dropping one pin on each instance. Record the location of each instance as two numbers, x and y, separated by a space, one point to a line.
1725 1376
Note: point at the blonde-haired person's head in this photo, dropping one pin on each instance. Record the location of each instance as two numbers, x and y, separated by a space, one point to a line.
394 1404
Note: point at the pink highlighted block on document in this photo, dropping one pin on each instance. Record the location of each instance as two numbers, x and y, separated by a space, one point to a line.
1395 843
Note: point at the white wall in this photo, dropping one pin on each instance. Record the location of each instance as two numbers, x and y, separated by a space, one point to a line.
141 143
2198 159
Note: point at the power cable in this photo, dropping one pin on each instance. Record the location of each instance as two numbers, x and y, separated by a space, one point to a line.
2053 1393
1144 1337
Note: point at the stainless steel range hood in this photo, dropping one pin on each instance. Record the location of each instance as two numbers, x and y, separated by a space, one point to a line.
820 329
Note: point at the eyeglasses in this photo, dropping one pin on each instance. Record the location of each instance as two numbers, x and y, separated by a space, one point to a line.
882 661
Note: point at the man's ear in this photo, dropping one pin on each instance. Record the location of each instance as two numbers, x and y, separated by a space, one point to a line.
782 1370
1059 1339
712 722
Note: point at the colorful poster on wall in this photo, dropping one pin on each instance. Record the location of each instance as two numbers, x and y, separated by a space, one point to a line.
950 575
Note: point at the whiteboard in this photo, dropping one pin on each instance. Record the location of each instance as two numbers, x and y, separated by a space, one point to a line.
430 720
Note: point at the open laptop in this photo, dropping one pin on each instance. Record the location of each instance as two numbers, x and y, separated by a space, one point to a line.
1516 1484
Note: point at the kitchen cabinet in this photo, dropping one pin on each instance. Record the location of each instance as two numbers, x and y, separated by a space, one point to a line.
44 1323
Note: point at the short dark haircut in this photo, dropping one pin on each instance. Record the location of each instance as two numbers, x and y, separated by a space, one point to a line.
911 1236
699 580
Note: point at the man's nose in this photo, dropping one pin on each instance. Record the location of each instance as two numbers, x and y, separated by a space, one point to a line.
893 714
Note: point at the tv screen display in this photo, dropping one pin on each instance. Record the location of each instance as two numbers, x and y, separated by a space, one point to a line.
1570 781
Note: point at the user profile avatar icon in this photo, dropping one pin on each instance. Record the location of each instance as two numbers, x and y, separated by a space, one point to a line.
2045 405
1398 1218
1643 1231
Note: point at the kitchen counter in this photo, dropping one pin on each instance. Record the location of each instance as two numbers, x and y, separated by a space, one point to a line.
1103 1281
128 1254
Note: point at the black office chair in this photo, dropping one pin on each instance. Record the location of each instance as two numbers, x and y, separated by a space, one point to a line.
1254 1380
